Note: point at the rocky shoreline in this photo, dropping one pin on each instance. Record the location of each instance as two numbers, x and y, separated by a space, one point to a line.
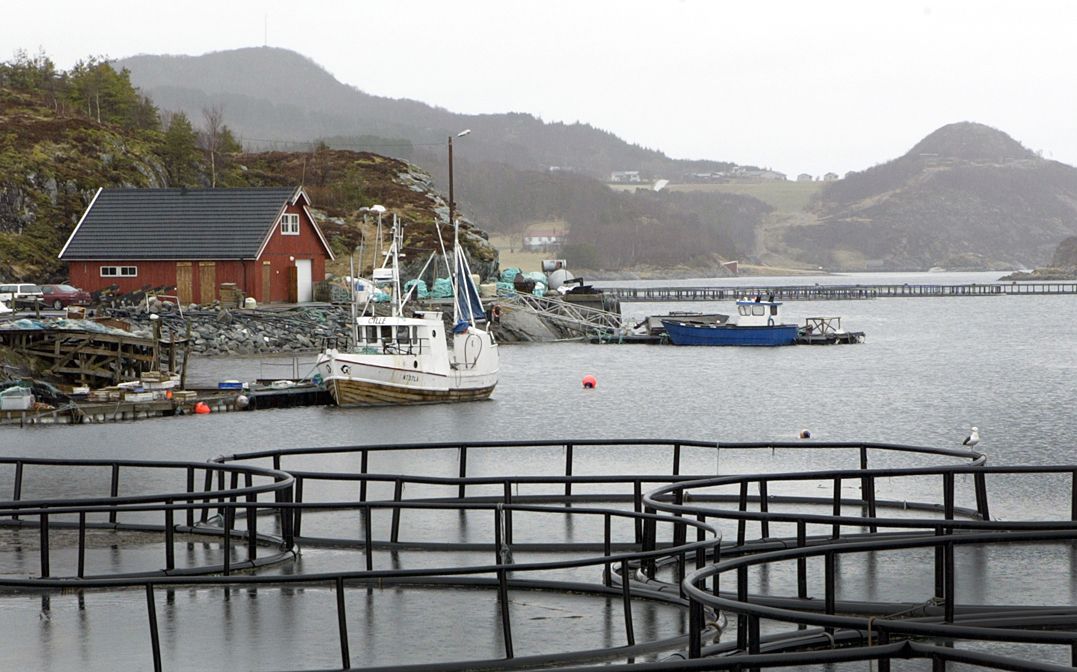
221 331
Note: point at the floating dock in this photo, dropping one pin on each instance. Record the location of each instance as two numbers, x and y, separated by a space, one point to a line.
218 401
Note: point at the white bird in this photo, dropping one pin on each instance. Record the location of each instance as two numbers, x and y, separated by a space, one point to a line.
972 439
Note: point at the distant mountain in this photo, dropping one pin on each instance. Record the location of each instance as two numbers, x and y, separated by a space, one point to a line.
966 196
276 95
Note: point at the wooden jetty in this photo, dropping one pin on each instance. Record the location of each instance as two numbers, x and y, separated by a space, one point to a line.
838 292
88 357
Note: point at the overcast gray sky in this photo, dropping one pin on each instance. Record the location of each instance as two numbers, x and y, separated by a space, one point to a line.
797 86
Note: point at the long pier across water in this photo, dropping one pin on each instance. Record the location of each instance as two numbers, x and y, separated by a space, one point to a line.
838 292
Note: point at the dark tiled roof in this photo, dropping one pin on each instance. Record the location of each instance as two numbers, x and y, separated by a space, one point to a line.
177 223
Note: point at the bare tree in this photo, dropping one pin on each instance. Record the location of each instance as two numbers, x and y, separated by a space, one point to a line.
211 136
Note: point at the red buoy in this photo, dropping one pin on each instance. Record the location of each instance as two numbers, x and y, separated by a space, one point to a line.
589 382
201 408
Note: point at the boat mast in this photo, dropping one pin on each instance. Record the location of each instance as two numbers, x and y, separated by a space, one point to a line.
398 236
455 270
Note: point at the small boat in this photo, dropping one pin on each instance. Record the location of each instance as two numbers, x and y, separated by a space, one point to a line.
396 359
826 331
757 322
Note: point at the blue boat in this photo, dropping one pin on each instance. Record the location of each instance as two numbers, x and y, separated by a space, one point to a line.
757 323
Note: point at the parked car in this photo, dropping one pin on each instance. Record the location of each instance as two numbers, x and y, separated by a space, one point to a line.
21 292
61 296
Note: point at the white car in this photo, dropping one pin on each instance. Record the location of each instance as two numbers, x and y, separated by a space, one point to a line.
12 292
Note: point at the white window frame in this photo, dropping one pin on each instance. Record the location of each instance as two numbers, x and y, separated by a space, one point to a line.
289 224
119 271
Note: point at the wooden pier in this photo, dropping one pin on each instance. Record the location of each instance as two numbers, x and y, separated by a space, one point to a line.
837 292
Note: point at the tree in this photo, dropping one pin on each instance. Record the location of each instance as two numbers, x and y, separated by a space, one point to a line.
109 97
180 151
210 137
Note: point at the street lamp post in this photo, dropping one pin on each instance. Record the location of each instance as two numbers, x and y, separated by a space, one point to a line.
452 203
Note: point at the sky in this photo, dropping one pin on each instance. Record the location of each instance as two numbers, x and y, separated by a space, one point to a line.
800 86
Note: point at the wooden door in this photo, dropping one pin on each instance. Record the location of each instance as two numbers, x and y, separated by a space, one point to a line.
207 281
293 284
183 282
267 282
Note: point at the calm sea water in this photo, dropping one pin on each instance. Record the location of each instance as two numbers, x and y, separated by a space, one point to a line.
928 371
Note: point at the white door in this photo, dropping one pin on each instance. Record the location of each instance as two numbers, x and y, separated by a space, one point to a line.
303 280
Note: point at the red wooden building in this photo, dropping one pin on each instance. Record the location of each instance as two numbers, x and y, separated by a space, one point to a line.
263 240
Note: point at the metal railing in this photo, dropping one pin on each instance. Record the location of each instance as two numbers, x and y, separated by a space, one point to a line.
652 537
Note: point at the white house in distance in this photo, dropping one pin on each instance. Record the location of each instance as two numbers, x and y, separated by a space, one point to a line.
625 176
542 240
804 177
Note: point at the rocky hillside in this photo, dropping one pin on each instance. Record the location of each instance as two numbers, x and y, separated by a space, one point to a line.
50 167
59 144
1066 254
966 197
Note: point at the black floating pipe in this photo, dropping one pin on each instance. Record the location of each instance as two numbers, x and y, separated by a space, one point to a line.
342 625
155 637
43 528
229 519
568 469
364 465
463 471
398 493
626 598
190 491
297 525
82 545
17 491
114 490
170 537
368 533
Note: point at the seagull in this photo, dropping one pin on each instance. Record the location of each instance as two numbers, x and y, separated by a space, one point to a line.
972 439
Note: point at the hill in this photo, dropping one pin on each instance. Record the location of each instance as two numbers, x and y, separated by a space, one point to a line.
967 196
65 134
276 95
502 169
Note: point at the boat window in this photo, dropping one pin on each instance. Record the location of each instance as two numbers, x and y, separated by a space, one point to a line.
743 310
403 334
758 309
386 333
371 334
774 310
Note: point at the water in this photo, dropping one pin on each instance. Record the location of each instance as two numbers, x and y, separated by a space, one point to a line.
928 371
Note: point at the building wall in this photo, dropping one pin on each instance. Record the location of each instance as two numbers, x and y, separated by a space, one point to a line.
280 251
155 274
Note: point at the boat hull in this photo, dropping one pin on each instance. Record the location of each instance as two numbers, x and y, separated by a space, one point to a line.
355 379
350 392
683 333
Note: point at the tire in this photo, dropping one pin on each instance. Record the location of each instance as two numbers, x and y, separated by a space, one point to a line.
57 305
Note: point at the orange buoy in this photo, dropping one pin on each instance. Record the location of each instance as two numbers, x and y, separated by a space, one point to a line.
168 394
589 382
201 408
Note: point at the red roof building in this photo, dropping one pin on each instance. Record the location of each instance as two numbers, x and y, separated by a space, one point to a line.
262 240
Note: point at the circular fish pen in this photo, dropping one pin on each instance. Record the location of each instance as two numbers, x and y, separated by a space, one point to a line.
446 556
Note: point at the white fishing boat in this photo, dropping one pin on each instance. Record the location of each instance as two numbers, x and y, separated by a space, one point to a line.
409 360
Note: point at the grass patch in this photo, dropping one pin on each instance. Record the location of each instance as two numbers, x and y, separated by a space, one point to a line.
782 196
